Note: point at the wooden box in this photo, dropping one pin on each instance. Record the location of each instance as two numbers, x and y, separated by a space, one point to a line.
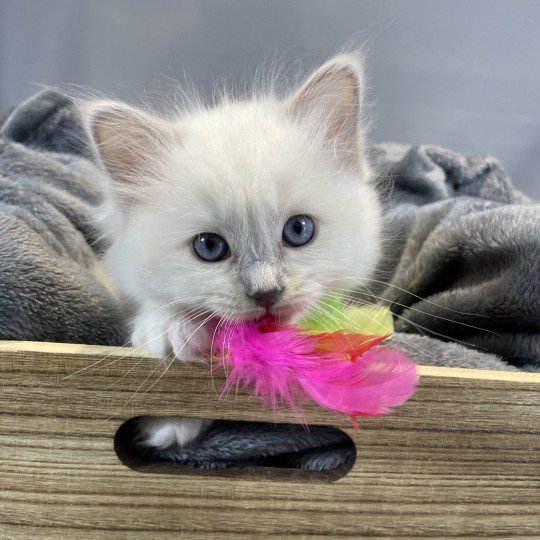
460 459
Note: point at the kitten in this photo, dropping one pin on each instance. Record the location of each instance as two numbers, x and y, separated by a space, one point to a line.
252 207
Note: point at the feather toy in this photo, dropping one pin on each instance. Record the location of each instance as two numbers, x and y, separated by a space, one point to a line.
334 357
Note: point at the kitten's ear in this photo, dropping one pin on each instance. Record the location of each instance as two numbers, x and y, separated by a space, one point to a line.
128 141
330 100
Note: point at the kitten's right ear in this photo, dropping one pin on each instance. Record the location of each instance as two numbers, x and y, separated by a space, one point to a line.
128 141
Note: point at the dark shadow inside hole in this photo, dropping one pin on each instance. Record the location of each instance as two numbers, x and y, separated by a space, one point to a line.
259 450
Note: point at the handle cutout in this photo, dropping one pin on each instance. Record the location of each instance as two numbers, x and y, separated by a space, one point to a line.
254 450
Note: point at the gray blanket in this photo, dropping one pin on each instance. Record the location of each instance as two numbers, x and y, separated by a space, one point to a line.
49 191
463 253
460 271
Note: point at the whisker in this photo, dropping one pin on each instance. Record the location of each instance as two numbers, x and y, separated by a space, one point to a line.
140 360
407 292
157 366
350 297
99 363
429 332
337 320
411 344
408 342
223 320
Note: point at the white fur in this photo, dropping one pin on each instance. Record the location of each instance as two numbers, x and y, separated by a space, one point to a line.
240 169
167 431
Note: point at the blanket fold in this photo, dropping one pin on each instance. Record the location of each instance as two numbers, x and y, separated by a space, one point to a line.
464 252
50 286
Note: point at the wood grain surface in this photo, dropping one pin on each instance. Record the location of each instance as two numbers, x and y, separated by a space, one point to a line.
461 459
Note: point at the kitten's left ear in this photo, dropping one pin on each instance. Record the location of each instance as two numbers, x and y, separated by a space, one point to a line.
331 100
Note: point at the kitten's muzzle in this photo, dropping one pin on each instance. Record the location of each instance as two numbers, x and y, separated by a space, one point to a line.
267 299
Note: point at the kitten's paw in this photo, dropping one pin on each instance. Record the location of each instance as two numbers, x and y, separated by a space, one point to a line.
164 335
150 333
162 432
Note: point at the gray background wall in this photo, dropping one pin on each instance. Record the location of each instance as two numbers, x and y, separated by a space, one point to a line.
459 73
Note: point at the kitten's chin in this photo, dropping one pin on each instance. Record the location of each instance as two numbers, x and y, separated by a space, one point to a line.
194 341
287 314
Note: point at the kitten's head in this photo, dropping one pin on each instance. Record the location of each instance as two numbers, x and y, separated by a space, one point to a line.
248 208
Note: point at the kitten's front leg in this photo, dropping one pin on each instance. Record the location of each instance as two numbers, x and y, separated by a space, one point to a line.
150 329
166 432
164 333
164 336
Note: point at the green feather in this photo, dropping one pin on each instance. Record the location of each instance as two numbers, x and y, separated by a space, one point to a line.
332 315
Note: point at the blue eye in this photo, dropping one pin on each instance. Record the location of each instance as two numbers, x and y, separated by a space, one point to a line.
210 247
298 231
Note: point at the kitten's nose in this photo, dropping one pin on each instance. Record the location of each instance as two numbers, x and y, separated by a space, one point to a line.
267 299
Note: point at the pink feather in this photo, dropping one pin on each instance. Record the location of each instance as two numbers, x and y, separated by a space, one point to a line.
283 365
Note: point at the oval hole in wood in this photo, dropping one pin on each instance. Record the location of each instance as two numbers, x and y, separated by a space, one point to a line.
251 450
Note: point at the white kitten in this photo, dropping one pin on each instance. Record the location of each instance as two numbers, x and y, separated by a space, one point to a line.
228 213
